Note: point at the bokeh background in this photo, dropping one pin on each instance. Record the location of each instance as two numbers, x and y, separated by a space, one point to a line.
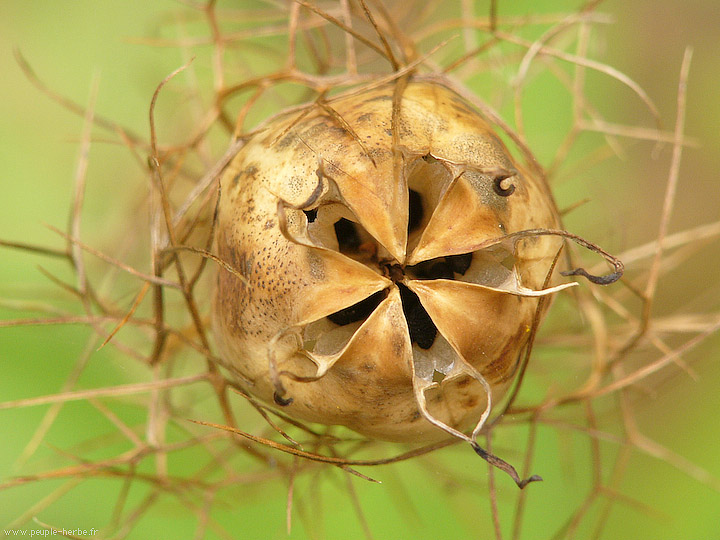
70 44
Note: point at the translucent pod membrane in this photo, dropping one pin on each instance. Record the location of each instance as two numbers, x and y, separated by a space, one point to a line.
379 284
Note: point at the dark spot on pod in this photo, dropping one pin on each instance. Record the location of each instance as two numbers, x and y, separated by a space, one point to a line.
470 402
359 311
498 185
422 330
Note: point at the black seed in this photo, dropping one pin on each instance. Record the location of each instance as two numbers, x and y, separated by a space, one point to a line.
311 214
415 210
422 330
347 235
460 263
359 311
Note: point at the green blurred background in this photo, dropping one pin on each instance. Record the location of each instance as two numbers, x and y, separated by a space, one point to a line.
68 43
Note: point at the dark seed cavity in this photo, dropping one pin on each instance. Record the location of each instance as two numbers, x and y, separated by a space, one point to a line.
443 268
422 330
416 212
358 312
311 214
347 236
460 263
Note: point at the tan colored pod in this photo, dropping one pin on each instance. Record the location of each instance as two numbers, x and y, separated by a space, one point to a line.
375 284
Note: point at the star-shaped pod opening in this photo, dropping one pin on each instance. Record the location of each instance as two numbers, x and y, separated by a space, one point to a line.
465 311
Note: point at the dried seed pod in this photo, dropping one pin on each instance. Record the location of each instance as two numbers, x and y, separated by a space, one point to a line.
377 284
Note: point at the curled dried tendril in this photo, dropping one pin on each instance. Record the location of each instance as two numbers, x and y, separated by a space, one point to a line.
504 466
608 279
502 187
598 280
283 402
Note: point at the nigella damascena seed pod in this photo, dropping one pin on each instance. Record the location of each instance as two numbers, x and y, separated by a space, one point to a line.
376 281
